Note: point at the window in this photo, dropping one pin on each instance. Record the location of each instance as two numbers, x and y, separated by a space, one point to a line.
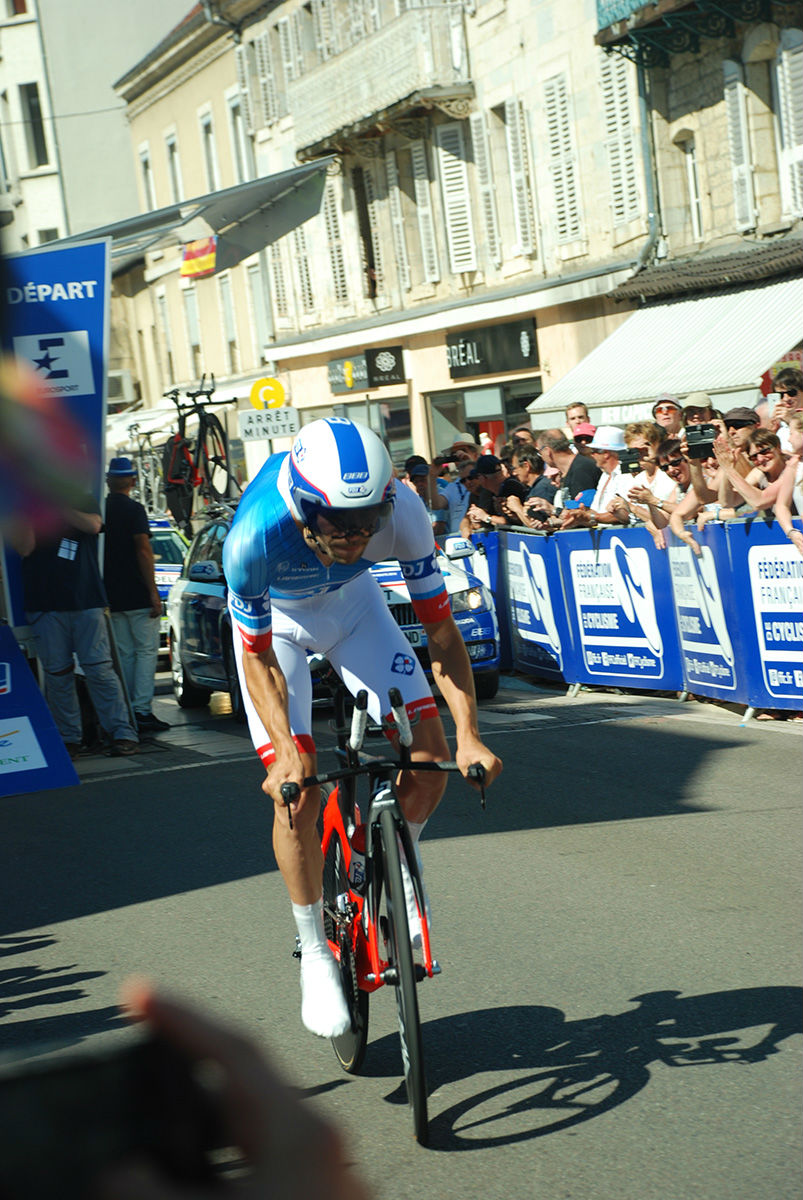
689 151
259 305
174 168
280 303
365 201
335 242
423 206
788 84
303 271
268 84
146 177
324 24
619 141
485 184
744 202
397 221
209 151
35 140
241 59
193 324
240 141
453 174
164 325
229 325
15 8
518 156
290 46
47 235
563 160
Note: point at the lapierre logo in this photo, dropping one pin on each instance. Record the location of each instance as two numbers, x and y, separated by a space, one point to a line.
403 664
5 679
61 358
540 599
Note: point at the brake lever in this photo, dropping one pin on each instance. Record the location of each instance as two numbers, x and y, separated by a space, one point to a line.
477 772
290 794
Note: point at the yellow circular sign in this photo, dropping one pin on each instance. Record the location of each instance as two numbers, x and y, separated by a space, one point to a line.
267 393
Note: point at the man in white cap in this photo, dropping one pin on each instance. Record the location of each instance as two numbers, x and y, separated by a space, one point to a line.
609 505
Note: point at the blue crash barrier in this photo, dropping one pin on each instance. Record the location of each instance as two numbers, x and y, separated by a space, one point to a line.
606 607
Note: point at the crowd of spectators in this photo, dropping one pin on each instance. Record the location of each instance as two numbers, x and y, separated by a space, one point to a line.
687 465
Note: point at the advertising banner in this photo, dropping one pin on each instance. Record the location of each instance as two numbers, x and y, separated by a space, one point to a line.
619 604
704 590
32 755
768 585
536 610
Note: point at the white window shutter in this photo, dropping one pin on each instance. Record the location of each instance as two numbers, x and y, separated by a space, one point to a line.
619 140
485 184
456 199
297 39
286 47
397 222
268 94
744 203
563 160
789 108
324 27
423 205
335 243
302 267
244 84
519 162
278 279
372 200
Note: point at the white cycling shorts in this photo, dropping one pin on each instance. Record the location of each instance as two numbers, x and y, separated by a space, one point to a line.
354 628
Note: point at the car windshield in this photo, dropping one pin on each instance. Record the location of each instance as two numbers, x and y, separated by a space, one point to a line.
168 547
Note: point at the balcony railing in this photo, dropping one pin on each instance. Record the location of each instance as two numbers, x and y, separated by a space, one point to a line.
418 59
650 31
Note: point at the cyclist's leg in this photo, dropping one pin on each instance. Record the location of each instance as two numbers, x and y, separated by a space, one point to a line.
298 851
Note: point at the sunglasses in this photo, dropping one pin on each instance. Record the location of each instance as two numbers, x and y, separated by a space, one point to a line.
666 408
672 462
741 424
582 440
787 392
757 454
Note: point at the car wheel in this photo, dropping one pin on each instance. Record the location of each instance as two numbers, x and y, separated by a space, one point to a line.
233 679
187 694
486 685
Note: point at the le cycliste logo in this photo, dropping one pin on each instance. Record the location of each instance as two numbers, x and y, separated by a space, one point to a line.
61 358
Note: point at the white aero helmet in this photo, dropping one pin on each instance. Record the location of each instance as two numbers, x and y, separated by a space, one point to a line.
341 470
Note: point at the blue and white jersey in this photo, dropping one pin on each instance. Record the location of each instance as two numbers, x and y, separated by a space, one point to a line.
266 560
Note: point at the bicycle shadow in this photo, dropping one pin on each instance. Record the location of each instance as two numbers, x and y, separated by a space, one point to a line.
553 1073
25 985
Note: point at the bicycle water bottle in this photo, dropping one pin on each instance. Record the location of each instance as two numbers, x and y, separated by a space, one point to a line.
357 863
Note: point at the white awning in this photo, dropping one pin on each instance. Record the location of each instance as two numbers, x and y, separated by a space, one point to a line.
718 344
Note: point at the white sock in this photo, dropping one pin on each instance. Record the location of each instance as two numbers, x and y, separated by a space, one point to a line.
323 1006
413 917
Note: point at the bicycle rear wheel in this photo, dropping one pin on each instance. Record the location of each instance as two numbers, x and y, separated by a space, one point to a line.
350 1047
412 1046
213 461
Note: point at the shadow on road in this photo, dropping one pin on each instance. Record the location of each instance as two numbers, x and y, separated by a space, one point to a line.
26 986
554 1073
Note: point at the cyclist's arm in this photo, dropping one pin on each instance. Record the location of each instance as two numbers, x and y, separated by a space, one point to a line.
451 670
267 688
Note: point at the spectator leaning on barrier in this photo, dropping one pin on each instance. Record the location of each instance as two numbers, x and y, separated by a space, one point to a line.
759 489
483 512
576 472
606 507
668 412
649 483
528 469
790 491
673 463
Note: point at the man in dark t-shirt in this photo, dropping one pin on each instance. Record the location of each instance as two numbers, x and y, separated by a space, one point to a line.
578 473
134 600
64 603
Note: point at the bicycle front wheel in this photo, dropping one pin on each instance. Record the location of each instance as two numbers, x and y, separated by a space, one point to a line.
213 462
412 1045
350 1046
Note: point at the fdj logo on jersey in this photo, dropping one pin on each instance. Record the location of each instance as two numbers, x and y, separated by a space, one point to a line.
403 664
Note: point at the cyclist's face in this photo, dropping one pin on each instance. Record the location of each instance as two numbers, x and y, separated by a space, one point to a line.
342 547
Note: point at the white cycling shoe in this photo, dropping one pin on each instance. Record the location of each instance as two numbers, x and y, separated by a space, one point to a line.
323 1006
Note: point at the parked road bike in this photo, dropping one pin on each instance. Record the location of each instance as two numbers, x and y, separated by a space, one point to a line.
196 463
366 852
148 461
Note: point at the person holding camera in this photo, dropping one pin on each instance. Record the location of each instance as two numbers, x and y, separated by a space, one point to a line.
760 488
483 512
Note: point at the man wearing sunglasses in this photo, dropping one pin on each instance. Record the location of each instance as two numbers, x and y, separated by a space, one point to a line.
667 411
789 390
297 561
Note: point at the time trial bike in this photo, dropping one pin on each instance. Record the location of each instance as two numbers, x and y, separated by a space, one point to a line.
367 852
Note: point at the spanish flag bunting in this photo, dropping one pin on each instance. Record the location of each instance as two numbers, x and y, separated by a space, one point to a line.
198 258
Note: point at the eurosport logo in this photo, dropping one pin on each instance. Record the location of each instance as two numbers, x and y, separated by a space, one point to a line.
62 359
5 679
403 664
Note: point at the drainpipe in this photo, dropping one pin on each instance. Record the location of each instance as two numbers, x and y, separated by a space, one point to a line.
648 158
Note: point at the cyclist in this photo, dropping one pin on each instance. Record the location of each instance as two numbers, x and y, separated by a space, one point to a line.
296 561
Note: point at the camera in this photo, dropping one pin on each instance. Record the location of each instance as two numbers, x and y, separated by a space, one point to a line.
629 461
66 1116
700 440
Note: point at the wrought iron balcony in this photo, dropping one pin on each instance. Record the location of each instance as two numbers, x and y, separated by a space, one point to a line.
415 62
650 32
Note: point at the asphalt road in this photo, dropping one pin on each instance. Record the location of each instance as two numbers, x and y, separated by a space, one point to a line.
619 1012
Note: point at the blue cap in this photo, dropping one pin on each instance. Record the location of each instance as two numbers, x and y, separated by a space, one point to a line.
120 467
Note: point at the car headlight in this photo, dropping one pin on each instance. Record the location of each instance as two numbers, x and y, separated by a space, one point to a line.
470 600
